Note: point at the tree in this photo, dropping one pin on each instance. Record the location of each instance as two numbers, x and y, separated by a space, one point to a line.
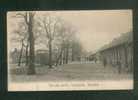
76 50
28 18
20 36
49 24
58 36
31 69
66 34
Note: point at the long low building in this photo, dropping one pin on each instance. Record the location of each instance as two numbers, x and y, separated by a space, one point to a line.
119 53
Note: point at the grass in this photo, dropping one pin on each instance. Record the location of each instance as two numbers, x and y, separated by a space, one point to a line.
71 72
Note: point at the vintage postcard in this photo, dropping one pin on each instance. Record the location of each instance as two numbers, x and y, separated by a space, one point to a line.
70 50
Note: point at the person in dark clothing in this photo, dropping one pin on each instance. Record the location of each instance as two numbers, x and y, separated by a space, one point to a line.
104 62
119 66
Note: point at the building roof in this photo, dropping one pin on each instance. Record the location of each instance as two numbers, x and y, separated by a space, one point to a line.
41 51
124 38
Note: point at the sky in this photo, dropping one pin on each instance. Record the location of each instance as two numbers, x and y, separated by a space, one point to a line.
95 28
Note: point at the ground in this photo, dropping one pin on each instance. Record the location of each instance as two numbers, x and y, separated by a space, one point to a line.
73 71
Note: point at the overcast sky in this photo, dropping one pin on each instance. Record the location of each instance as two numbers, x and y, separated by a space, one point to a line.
95 28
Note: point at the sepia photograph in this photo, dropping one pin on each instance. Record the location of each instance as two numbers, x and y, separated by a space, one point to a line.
70 50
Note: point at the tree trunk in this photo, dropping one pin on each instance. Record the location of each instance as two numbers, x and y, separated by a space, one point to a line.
64 56
58 61
20 57
27 55
61 59
31 67
67 53
50 54
72 54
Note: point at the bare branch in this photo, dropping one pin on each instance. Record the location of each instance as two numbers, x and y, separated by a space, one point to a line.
46 29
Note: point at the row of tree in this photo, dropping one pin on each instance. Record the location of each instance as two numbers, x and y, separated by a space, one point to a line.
50 30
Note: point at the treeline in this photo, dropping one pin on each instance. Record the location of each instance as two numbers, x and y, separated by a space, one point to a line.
35 28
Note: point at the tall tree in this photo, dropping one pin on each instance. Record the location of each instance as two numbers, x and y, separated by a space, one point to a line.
29 21
49 24
66 34
20 36
31 68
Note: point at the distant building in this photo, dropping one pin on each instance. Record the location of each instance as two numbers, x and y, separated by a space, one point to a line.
41 57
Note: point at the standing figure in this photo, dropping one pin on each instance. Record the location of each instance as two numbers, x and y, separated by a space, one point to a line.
119 66
104 62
